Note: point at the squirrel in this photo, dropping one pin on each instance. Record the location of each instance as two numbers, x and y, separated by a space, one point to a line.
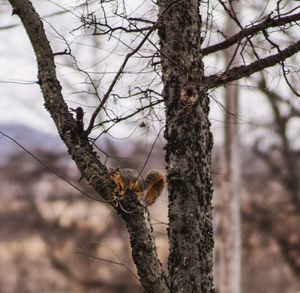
149 188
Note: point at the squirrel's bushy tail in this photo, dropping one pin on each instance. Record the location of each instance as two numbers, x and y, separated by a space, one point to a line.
154 184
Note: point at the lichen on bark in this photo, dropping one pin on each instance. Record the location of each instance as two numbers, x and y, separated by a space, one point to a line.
188 149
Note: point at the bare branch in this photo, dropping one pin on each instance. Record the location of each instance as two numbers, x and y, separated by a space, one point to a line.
250 31
77 143
232 14
84 253
10 26
116 78
79 147
49 168
291 178
121 69
239 72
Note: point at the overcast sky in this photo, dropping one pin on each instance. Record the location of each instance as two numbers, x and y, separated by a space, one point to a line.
20 98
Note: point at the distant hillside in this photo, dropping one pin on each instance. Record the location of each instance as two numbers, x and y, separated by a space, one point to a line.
132 152
29 138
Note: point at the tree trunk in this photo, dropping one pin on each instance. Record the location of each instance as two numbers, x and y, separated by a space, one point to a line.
188 149
231 227
230 274
144 253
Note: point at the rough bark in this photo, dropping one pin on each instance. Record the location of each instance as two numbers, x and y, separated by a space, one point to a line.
188 149
144 251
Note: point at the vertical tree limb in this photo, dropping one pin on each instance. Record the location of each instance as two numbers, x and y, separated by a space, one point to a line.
144 251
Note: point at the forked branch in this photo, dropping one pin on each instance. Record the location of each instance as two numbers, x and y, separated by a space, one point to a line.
250 31
239 72
144 251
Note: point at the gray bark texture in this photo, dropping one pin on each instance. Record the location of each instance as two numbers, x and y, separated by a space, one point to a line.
188 149
149 268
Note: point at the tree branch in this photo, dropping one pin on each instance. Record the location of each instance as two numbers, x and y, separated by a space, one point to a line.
239 72
143 246
123 65
77 144
250 31
290 178
116 78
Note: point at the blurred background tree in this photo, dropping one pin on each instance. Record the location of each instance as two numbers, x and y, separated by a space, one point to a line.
270 214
